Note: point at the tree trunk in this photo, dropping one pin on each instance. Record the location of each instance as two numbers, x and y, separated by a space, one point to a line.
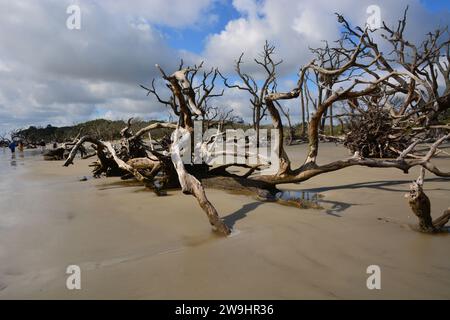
302 101
421 206
190 184
257 120
331 121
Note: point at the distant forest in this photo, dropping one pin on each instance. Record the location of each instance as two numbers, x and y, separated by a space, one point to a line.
109 130
100 128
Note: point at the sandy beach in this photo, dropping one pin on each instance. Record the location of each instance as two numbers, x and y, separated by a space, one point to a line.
131 244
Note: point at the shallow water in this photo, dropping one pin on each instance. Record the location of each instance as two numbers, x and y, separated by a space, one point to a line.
299 198
11 161
14 164
12 168
13 186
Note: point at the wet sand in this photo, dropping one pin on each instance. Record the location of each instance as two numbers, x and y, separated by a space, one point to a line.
131 244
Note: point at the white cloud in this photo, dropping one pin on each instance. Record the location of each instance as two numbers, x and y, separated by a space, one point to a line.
294 26
173 13
49 74
249 8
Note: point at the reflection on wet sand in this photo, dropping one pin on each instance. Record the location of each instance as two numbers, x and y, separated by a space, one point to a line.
17 158
13 160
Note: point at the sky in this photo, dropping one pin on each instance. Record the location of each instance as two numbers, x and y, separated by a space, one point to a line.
50 74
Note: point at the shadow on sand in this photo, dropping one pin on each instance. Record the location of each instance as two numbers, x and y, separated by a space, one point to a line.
303 199
379 185
334 208
240 214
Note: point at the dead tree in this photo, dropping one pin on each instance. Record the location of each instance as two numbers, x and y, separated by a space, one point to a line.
291 129
220 117
257 91
62 152
4 142
353 73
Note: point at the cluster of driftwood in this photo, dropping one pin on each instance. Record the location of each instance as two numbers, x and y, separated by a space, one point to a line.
391 102
4 142
61 152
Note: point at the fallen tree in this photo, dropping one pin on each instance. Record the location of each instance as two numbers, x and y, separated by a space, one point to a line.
392 103
62 152
4 142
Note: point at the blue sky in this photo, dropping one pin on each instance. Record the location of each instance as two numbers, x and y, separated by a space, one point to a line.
437 4
192 38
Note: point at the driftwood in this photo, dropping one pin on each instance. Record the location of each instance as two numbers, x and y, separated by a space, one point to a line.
190 184
373 134
421 206
54 154
62 152
381 130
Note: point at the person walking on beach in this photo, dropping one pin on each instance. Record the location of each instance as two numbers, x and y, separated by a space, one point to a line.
20 146
42 144
12 147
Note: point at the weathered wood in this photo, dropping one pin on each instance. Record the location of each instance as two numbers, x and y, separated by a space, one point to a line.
189 184
421 206
354 73
54 154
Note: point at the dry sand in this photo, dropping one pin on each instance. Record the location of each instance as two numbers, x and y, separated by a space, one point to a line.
131 244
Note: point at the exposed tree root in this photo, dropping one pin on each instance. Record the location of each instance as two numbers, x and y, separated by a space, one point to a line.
421 206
